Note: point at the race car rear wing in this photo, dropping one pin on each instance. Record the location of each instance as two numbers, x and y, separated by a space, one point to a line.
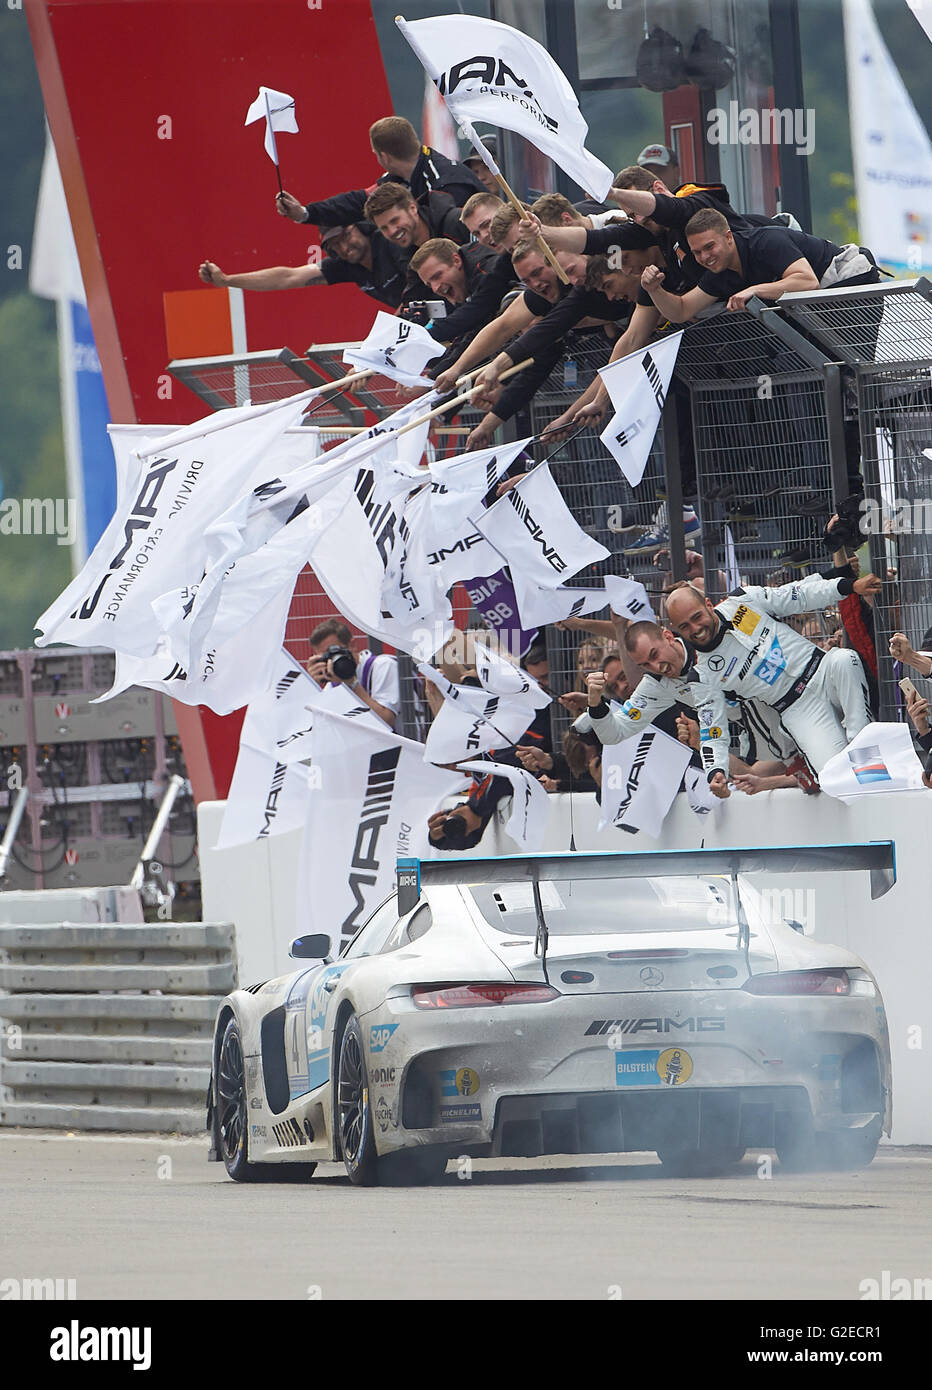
878 857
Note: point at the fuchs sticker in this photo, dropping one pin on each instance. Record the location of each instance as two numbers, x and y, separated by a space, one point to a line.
379 1035
629 710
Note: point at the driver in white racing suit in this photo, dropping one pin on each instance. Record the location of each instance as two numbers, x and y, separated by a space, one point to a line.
821 697
672 678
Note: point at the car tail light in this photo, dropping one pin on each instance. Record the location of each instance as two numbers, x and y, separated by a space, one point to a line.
480 996
800 982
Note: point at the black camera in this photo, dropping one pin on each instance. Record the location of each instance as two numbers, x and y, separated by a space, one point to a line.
342 662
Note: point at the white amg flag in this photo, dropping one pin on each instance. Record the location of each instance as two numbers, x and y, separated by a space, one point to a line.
488 71
266 798
537 607
155 541
472 721
640 778
372 796
638 386
629 599
395 348
881 758
277 110
459 485
537 533
502 677
530 803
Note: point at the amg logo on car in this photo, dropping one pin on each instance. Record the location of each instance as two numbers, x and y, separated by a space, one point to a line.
654 1025
380 788
289 1134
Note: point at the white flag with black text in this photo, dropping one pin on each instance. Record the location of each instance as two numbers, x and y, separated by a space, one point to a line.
530 803
536 532
638 386
640 777
396 348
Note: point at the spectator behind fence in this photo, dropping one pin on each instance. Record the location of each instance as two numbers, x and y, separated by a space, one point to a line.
373 678
357 255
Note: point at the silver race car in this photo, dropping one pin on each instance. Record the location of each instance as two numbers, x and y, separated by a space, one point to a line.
562 1004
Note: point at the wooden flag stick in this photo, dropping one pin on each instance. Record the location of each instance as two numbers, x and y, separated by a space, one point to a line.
338 385
484 154
546 249
460 399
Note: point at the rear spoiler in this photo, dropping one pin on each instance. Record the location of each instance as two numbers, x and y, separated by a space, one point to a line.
878 857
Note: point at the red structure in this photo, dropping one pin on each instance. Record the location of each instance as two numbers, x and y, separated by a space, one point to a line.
146 101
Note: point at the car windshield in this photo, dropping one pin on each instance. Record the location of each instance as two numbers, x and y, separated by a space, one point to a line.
584 907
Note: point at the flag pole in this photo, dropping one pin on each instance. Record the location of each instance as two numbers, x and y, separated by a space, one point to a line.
482 151
459 400
271 130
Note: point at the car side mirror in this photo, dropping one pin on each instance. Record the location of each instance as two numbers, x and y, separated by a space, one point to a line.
315 947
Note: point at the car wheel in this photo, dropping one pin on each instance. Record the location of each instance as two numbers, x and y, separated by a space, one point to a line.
699 1163
412 1167
354 1109
232 1112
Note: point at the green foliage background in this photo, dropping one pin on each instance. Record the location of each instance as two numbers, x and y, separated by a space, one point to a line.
33 570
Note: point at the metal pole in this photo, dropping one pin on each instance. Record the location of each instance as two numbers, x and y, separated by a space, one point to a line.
16 816
175 785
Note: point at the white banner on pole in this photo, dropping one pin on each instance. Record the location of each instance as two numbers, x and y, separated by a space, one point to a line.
640 778
530 803
396 348
487 71
534 529
638 386
372 796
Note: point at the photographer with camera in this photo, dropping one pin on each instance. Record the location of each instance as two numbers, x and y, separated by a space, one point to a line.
373 678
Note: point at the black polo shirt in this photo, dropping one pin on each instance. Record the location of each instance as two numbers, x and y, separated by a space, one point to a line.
765 253
384 282
556 320
434 171
631 236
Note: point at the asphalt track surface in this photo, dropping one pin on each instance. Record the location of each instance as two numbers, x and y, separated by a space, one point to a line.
149 1218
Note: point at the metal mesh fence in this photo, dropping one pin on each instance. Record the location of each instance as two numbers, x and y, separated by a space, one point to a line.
764 477
895 406
868 323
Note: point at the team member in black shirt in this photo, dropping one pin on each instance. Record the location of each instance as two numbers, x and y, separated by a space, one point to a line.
356 255
763 261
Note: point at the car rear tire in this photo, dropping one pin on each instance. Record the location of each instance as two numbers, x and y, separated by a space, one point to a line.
232 1122
354 1122
699 1163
